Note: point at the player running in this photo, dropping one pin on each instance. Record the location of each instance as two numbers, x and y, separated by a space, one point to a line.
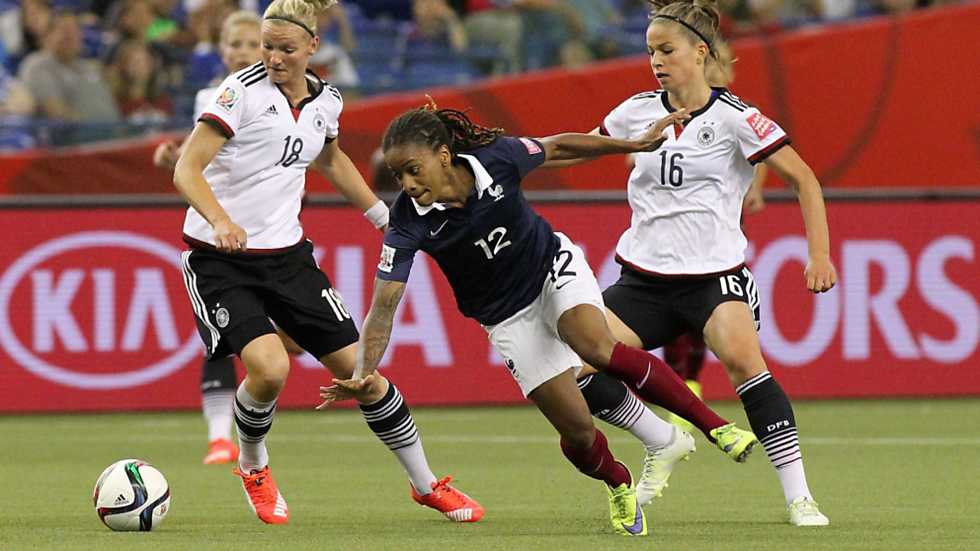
243 173
529 287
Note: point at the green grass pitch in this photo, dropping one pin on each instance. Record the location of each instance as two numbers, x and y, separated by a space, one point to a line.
889 474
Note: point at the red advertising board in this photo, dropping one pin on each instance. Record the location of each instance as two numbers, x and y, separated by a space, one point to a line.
94 314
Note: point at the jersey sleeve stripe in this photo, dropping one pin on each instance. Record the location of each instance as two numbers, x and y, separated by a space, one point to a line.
764 153
254 78
737 106
245 74
218 124
602 129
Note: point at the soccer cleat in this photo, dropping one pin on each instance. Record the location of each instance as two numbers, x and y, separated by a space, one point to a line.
679 421
264 497
659 463
735 442
625 513
221 451
804 512
457 506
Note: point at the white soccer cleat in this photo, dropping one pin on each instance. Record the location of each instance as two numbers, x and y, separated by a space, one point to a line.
804 512
659 463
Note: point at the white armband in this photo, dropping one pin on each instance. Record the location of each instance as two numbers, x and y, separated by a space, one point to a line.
378 214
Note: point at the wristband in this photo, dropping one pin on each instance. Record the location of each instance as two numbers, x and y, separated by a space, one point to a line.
378 214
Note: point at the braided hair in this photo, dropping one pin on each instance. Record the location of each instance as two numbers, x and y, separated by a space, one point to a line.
432 128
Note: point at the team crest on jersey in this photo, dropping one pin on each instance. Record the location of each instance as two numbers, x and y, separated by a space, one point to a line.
387 259
706 136
531 146
761 125
222 317
228 98
320 122
496 191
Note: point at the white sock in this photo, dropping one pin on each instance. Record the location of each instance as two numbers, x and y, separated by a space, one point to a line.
219 411
793 479
392 423
653 431
253 419
415 464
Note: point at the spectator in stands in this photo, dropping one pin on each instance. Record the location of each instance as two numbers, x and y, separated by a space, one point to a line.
205 64
135 19
496 28
24 29
134 77
66 87
15 99
332 60
436 21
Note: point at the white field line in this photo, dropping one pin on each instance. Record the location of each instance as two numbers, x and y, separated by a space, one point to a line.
326 436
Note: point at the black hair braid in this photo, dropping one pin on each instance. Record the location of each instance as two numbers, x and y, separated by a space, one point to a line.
433 128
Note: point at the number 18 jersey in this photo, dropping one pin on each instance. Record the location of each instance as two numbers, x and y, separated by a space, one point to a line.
259 175
687 195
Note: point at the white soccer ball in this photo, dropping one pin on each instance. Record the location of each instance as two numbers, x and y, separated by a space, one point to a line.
131 495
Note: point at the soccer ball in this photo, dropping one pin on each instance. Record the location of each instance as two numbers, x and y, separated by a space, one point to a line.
131 495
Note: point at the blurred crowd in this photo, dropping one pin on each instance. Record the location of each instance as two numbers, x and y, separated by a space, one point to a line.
73 71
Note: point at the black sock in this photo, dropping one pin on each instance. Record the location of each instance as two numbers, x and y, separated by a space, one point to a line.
610 400
771 417
218 374
390 420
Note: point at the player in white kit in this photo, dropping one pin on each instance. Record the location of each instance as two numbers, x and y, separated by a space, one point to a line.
683 255
243 173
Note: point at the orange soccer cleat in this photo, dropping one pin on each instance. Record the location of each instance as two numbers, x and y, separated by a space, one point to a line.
451 502
221 451
264 497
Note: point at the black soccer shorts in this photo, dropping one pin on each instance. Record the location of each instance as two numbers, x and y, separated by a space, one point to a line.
234 296
658 308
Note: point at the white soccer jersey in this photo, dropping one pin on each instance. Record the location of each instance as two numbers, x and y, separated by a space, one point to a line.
259 174
687 195
202 100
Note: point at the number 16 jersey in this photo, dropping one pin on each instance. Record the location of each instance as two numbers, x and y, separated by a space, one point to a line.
259 175
687 195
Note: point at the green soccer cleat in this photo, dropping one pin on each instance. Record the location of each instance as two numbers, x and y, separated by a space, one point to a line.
804 512
659 463
679 421
735 442
625 513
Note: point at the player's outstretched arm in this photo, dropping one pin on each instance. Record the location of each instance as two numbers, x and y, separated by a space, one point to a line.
343 174
571 162
820 273
200 148
371 347
574 146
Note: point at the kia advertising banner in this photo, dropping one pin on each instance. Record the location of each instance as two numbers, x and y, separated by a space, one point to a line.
94 314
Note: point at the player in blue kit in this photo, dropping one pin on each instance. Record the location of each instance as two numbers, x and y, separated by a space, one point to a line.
528 286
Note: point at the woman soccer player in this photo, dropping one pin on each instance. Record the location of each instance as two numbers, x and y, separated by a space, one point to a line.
243 172
529 287
240 47
683 255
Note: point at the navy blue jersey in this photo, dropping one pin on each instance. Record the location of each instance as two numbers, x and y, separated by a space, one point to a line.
495 250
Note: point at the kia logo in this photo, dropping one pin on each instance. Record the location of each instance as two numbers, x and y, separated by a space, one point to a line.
149 304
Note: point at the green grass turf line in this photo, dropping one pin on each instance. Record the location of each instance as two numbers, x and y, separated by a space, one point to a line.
889 474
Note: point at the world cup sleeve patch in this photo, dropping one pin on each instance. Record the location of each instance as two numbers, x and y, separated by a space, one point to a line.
387 259
761 125
532 147
228 98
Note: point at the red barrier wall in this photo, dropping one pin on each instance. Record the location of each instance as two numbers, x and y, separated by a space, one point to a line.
881 102
94 315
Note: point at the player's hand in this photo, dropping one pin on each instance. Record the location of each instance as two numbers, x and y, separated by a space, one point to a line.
654 136
165 155
348 389
754 202
229 237
820 274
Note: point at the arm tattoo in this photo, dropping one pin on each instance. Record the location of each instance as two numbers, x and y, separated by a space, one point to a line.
377 326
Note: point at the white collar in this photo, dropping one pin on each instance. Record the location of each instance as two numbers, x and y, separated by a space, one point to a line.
483 181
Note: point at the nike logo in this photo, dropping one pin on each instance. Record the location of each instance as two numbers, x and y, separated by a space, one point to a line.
637 527
557 287
645 377
435 233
